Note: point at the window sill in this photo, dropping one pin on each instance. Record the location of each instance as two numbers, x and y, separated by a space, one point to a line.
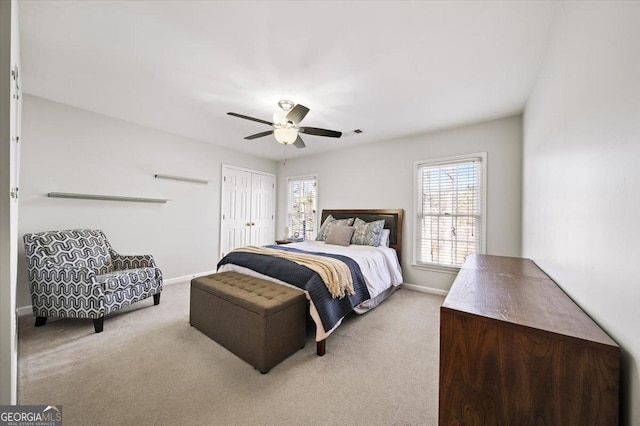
437 268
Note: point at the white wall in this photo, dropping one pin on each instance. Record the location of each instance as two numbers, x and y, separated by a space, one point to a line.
71 150
381 176
581 184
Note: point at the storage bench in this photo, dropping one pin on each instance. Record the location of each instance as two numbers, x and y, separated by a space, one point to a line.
259 321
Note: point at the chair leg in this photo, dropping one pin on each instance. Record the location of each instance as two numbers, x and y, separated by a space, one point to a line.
40 321
98 324
156 299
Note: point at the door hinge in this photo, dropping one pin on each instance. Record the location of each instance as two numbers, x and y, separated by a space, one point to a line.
14 192
224 178
14 74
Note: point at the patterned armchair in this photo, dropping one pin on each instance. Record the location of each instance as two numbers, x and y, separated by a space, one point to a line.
76 274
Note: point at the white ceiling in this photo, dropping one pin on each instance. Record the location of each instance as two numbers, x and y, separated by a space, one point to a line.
393 69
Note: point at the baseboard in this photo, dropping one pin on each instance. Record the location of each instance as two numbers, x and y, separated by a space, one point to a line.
186 277
28 310
24 310
423 289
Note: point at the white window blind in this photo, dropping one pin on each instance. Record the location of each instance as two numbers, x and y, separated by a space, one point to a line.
450 208
302 199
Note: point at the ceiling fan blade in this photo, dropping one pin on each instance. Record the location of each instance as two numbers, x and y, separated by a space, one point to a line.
246 117
299 143
259 135
297 113
320 132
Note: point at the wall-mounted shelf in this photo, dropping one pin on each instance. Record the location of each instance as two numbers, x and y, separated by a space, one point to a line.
106 197
182 178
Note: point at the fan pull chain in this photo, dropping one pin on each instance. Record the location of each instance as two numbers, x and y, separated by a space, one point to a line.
284 163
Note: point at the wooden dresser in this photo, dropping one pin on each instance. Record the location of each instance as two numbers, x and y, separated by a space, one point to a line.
516 350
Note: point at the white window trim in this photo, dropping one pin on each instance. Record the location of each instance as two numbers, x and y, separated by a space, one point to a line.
288 201
483 194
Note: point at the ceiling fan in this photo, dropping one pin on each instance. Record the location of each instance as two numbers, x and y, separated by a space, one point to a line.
285 125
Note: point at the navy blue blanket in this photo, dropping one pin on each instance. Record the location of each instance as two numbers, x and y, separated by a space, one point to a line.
330 309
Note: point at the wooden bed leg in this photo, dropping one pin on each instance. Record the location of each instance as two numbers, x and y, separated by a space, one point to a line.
321 347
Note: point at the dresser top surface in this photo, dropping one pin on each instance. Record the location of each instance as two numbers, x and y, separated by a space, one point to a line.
516 291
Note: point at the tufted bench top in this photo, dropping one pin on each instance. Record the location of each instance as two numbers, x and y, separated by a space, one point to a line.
254 294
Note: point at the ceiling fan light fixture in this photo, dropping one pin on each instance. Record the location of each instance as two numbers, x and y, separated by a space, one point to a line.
285 125
286 135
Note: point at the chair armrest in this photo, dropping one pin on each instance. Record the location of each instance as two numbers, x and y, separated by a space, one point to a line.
122 261
59 281
53 274
65 291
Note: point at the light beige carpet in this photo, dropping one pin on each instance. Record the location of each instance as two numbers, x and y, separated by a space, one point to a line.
150 367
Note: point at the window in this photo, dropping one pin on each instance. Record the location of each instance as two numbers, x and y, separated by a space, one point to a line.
302 198
450 210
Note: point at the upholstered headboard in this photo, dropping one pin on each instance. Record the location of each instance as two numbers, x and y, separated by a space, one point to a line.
392 221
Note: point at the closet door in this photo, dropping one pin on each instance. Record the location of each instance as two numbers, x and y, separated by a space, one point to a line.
236 209
262 209
247 209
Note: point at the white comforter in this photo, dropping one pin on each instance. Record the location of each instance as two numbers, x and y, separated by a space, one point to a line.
379 266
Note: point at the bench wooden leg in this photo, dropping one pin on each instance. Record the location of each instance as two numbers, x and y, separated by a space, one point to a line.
40 321
321 347
156 299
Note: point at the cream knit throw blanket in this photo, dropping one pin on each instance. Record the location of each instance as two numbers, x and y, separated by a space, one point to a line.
335 273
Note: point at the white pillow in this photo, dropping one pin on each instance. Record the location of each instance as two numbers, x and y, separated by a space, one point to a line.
384 237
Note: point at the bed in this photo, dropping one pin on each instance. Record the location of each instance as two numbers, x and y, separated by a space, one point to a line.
375 271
